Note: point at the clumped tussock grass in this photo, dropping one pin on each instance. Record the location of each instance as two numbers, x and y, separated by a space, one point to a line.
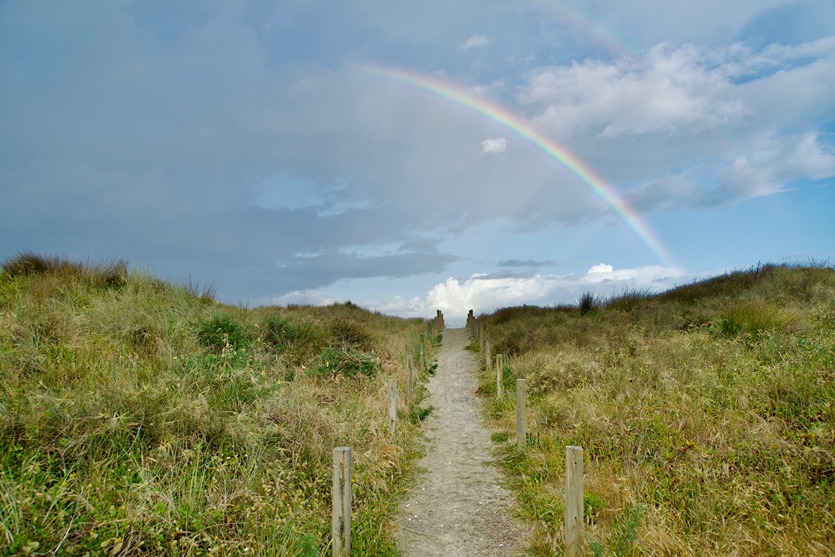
143 418
707 415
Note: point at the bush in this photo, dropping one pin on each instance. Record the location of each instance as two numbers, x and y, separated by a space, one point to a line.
588 303
281 333
221 332
107 274
299 340
351 334
334 361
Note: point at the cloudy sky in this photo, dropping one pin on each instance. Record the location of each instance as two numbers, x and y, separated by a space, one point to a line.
409 156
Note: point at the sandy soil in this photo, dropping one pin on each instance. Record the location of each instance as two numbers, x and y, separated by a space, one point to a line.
457 508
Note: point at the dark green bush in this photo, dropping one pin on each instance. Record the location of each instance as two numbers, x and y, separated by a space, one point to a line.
298 340
221 331
588 303
282 333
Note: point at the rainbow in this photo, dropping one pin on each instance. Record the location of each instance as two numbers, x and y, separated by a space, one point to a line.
506 119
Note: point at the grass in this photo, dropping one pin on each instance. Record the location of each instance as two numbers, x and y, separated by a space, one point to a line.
139 417
707 415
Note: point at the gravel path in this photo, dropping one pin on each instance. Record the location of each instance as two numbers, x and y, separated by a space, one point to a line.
457 508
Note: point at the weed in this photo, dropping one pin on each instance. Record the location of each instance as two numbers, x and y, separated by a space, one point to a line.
592 505
418 414
500 437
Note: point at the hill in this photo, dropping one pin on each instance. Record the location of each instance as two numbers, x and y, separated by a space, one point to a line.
707 415
139 417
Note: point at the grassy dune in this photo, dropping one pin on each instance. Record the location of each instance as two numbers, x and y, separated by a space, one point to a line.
141 417
707 415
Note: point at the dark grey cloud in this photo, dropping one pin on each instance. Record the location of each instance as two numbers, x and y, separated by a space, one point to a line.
525 263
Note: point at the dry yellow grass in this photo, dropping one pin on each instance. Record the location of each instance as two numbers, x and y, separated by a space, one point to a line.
142 418
707 415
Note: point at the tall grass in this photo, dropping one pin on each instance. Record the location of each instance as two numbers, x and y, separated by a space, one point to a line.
707 415
137 418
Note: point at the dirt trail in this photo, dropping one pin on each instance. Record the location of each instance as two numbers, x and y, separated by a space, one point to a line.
457 508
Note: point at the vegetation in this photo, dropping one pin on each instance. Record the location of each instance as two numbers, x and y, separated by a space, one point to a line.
707 415
140 417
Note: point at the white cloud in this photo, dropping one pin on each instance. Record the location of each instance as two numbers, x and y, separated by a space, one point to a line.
476 41
484 293
298 297
724 124
601 268
675 90
494 146
775 163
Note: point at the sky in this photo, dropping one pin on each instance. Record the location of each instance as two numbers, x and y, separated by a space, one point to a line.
414 156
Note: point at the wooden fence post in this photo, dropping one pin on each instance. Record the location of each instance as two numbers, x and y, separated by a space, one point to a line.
521 425
573 501
488 359
393 406
422 352
499 376
341 494
411 380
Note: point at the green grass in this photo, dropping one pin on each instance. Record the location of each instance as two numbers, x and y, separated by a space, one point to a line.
707 415
139 417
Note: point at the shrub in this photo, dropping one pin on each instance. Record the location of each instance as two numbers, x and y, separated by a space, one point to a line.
298 340
29 263
351 334
106 274
588 302
335 361
282 333
221 331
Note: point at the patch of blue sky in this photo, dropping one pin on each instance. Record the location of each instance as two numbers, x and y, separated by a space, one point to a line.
790 24
767 66
287 193
767 229
374 250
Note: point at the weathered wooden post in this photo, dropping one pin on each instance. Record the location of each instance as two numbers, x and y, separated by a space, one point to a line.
488 359
573 501
341 494
499 376
411 380
422 352
393 406
521 425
